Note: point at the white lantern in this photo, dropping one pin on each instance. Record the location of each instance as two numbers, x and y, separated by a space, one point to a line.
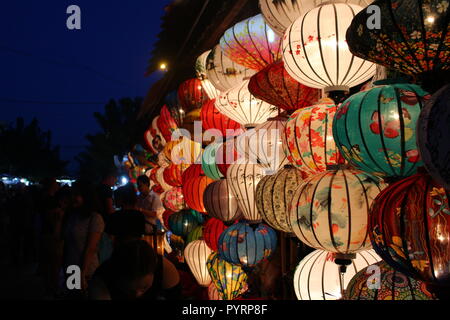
200 69
315 50
196 254
318 277
160 178
241 106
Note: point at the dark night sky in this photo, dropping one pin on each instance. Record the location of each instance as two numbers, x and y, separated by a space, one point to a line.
41 60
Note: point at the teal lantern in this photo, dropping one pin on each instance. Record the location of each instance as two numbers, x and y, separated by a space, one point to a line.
209 162
375 130
182 223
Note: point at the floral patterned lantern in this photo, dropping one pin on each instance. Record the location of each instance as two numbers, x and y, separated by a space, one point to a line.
251 43
410 223
274 85
213 229
274 195
220 202
196 255
191 95
193 191
329 211
194 235
200 69
392 285
212 119
308 139
182 223
318 277
209 165
247 245
173 200
375 129
229 279
166 123
241 106
316 54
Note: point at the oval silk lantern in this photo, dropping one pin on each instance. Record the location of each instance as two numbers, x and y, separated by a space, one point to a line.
196 255
247 245
229 279
243 179
173 199
193 191
391 285
191 95
168 148
433 132
316 54
308 138
376 129
194 170
161 181
410 223
182 223
220 202
186 152
200 70
274 196
166 215
274 85
213 229
251 43
209 165
329 211
163 162
196 234
212 119
317 276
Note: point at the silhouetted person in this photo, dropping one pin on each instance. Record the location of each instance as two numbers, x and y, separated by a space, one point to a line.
148 202
105 194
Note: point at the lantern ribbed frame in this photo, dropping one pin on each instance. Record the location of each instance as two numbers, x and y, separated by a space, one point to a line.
220 202
196 254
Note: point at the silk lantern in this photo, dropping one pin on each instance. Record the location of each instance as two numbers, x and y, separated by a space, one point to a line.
182 223
329 211
213 229
166 123
390 285
161 181
227 154
432 134
168 148
318 277
193 191
194 170
191 95
410 223
186 152
212 119
200 70
274 85
251 43
213 294
173 174
247 244
220 202
376 130
194 235
173 200
163 162
209 165
274 196
166 215
316 54
196 255
229 279
308 138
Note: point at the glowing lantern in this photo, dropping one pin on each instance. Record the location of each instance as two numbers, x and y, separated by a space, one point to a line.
212 119
209 162
275 86
186 152
251 43
163 162
191 95
168 148
375 129
166 215
220 202
166 123
229 279
213 229
247 245
274 195
391 285
182 223
196 234
318 277
193 191
226 155
160 179
196 255
200 69
316 54
173 173
330 210
308 139
173 200
193 171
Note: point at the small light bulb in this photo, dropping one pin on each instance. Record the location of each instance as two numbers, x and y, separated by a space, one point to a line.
430 19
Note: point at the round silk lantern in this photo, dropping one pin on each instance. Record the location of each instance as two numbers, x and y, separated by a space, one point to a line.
411 37
209 162
376 129
163 162
193 191
329 211
200 70
229 279
199 216
191 95
318 277
212 119
251 43
308 140
247 245
432 135
213 229
173 200
213 294
274 195
193 171
223 73
182 223
196 234
196 255
410 223
241 106
166 215
172 174
274 85
316 54
243 179
389 285
220 202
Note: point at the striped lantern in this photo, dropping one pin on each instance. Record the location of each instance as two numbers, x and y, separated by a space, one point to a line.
182 223
193 191
213 229
330 210
173 173
196 255
212 119
200 70
160 179
166 123
194 170
209 165
220 202
191 95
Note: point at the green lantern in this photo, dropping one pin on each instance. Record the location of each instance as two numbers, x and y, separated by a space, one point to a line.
209 162
196 234
375 130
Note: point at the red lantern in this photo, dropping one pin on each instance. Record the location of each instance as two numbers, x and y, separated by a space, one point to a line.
226 155
274 85
212 231
213 119
157 189
192 95
193 191
194 170
166 215
166 123
173 174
